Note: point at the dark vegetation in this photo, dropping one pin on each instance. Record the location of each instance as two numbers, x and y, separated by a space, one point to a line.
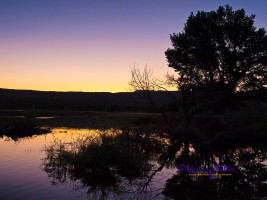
103 165
217 56
220 50
24 126
123 166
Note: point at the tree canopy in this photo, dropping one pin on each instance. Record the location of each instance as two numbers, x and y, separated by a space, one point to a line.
221 48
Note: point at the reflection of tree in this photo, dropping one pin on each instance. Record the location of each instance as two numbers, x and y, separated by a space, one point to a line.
128 163
110 165
245 182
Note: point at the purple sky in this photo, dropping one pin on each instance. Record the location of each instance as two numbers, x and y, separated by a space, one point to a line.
86 45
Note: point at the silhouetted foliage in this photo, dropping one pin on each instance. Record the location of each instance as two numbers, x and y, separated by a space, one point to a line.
105 166
16 128
145 84
219 51
124 167
246 181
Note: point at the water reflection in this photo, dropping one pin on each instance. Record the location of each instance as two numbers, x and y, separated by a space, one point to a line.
20 173
245 182
109 165
127 165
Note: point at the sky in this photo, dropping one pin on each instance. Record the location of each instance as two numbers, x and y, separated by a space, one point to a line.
91 45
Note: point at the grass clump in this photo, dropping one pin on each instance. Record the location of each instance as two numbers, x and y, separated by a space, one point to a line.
97 163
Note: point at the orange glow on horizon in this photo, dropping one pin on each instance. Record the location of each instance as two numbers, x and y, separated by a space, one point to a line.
109 87
75 66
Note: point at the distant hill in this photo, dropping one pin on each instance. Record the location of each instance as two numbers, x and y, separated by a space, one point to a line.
95 101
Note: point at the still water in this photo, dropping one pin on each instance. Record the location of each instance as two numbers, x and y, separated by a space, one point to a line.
22 174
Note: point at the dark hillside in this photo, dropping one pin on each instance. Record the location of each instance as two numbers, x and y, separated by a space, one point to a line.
99 101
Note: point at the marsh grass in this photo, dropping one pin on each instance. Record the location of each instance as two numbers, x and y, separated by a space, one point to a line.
101 162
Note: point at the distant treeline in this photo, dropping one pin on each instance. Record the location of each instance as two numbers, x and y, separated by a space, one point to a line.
91 101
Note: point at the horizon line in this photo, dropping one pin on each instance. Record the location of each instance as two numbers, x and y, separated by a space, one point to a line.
84 91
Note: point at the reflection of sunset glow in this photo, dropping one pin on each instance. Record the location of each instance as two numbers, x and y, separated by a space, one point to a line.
27 152
34 145
21 160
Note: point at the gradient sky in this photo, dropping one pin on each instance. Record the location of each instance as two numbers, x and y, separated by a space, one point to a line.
90 45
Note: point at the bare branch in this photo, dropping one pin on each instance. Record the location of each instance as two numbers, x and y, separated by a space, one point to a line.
144 81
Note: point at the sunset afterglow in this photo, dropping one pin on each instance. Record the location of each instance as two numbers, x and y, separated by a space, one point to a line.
91 45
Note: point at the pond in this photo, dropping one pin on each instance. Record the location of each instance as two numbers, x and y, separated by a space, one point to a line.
20 173
114 164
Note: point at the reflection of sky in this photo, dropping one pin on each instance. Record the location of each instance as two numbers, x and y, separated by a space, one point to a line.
90 45
22 178
20 167
20 173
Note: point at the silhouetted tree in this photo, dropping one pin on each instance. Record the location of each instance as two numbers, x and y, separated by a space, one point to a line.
145 83
220 50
